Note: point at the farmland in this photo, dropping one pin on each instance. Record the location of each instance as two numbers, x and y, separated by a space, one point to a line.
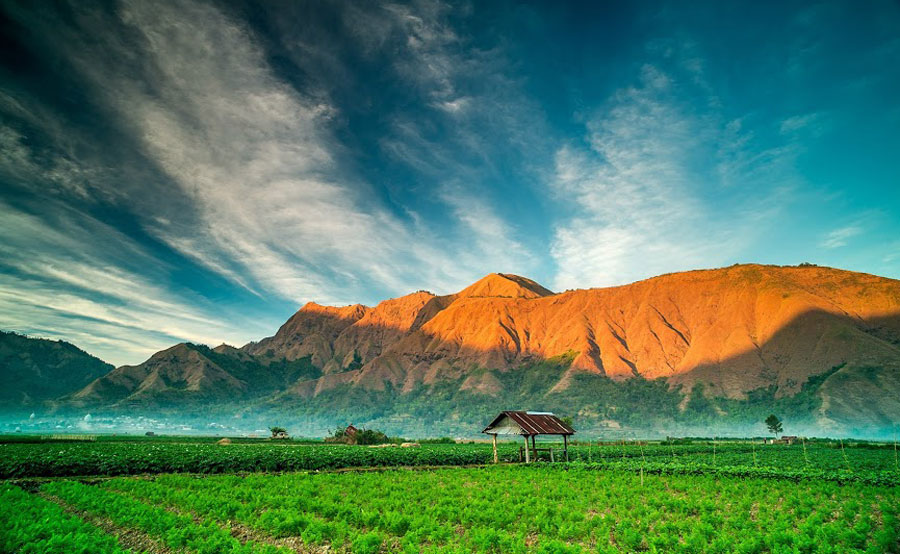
196 496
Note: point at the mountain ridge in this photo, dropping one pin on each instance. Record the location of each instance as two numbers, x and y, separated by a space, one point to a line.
732 335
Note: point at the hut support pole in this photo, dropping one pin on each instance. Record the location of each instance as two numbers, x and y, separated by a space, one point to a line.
527 453
566 446
495 449
534 447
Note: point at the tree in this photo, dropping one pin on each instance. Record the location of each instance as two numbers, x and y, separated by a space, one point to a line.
275 430
774 424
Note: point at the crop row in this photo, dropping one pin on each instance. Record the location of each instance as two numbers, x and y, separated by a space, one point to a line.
176 531
34 525
538 509
122 458
59 460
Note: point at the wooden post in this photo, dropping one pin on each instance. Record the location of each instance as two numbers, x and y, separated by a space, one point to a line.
534 447
551 454
527 454
495 449
566 446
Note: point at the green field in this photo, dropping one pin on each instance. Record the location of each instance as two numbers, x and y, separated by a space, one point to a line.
196 496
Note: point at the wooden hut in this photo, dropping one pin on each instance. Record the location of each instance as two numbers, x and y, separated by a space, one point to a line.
529 425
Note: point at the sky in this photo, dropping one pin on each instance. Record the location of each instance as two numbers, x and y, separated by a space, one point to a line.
197 171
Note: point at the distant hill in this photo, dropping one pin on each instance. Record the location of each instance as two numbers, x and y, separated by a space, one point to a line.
721 341
190 376
686 350
34 370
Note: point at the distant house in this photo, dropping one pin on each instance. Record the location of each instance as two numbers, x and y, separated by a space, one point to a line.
530 424
280 435
350 431
789 439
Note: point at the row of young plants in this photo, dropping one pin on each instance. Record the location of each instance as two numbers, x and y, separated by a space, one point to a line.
61 460
31 524
693 467
174 530
539 509
114 458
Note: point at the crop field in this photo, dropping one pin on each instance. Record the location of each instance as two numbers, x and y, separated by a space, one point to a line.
193 496
820 460
506 508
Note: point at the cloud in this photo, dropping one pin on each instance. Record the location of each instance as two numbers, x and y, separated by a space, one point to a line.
812 123
232 167
642 197
264 196
839 237
70 280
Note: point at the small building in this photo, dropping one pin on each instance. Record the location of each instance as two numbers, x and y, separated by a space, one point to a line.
789 439
529 425
350 431
280 435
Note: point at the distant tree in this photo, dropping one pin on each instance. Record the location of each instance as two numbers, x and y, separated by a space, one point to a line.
567 420
371 436
774 424
275 430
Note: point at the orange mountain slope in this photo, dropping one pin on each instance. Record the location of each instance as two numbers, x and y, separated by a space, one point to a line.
733 329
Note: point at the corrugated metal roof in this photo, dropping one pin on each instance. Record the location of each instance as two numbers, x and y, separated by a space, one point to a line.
534 423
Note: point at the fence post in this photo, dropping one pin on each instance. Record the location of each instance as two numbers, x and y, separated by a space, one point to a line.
896 460
846 461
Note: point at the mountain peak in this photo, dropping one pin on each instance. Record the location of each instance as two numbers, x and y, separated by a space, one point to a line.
505 285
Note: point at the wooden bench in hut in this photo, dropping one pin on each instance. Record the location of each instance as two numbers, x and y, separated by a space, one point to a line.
530 425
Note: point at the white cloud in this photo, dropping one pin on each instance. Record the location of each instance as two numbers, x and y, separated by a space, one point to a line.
69 281
839 237
270 204
643 202
254 186
812 123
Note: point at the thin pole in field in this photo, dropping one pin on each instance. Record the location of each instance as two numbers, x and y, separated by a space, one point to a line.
805 457
754 452
896 460
623 448
714 452
846 461
589 451
642 463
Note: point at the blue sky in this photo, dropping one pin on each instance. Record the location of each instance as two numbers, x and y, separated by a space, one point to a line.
197 171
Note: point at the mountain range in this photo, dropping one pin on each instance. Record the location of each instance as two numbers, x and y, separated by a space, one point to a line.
677 353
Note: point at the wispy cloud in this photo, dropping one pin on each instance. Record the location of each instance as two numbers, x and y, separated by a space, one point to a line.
839 237
70 280
644 200
242 173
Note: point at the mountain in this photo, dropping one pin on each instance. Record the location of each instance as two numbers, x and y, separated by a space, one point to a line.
35 370
190 376
690 349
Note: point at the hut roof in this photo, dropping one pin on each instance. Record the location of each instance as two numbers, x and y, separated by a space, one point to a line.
527 423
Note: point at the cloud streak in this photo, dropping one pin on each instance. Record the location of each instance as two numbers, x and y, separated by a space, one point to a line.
645 202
